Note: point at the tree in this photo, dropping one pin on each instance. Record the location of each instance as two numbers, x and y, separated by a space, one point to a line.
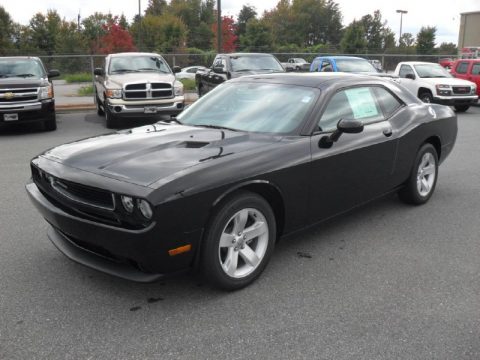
246 13
115 39
374 27
426 40
7 30
156 7
43 31
257 36
353 40
229 39
94 28
447 49
407 40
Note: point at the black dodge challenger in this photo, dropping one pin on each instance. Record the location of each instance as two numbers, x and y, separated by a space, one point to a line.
256 159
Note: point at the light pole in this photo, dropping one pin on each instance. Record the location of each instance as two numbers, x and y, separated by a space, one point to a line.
219 26
401 12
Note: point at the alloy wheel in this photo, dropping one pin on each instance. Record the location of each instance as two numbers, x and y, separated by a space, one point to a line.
426 174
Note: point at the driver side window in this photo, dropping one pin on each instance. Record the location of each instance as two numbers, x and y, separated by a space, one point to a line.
355 103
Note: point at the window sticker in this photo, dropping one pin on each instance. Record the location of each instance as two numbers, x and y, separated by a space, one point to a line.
362 103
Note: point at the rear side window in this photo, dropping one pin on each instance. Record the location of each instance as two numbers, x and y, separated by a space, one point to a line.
356 103
315 64
388 102
462 67
476 69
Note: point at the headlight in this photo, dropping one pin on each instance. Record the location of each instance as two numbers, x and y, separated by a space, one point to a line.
145 209
128 203
474 89
177 88
444 89
46 92
114 93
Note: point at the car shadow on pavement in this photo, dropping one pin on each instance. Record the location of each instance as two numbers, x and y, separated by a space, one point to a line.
21 129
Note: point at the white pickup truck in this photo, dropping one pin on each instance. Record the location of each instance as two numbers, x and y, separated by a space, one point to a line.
432 83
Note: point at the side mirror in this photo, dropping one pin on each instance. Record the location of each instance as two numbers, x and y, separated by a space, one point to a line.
176 69
53 73
410 76
347 126
98 71
219 69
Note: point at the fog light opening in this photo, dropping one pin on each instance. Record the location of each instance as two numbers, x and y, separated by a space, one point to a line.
117 109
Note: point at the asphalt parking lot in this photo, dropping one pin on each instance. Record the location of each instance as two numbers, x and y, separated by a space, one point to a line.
387 281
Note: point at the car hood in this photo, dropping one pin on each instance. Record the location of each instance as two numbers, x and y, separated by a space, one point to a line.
148 154
15 83
448 81
118 80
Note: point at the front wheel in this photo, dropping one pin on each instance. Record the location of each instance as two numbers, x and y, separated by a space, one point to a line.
421 183
462 108
426 97
100 110
239 241
51 124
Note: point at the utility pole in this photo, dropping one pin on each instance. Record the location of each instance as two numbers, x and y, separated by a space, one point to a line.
401 12
139 26
219 26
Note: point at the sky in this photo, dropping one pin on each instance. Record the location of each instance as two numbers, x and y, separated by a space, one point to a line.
442 14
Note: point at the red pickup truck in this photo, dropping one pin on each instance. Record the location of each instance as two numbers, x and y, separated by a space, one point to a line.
468 69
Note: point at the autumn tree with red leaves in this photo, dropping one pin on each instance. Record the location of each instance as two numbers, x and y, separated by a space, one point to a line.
116 38
229 39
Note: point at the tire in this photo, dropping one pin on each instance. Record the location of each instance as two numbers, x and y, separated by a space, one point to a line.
200 91
297 68
238 242
100 111
51 124
423 178
426 97
110 120
462 108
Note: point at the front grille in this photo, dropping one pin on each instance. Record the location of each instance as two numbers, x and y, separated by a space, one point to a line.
18 95
148 91
461 90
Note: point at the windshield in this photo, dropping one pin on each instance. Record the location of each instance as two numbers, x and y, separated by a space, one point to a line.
245 63
252 107
354 65
138 64
432 71
24 68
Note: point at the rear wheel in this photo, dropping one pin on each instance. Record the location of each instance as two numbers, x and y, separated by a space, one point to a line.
426 97
421 183
462 108
239 241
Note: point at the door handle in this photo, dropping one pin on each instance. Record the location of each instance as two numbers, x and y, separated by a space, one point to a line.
388 131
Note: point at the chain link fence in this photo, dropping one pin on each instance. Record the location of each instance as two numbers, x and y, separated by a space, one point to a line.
71 64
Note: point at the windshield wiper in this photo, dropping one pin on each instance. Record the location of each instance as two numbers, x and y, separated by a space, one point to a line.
23 75
123 70
173 119
216 127
152 69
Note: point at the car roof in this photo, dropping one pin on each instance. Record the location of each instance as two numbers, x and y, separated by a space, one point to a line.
418 63
313 79
334 57
246 54
19 57
133 54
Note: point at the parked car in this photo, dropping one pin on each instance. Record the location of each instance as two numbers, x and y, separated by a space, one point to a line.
256 159
432 83
446 63
189 72
377 64
467 69
26 92
132 85
296 64
350 64
231 66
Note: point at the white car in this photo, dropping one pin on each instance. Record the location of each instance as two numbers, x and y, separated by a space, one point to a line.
432 83
189 72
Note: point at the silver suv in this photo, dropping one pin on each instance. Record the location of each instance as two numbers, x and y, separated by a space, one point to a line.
136 85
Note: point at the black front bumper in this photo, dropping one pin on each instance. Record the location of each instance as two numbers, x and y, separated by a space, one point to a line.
42 111
137 255
451 101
